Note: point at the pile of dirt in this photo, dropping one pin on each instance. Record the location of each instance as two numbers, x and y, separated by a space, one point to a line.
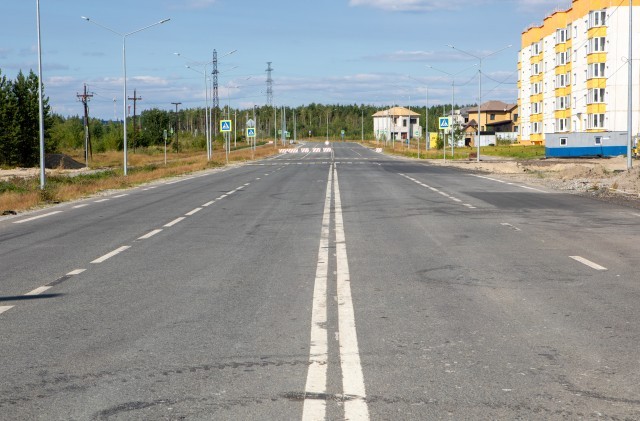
61 161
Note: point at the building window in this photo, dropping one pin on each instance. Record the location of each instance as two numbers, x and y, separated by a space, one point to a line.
516 129
404 122
598 140
536 108
536 127
595 70
597 18
563 102
536 48
563 80
536 69
515 117
562 124
561 36
595 96
536 88
492 117
596 45
563 141
563 58
595 121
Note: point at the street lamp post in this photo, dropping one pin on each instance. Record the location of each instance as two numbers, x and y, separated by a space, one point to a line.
40 100
479 58
124 71
453 89
177 127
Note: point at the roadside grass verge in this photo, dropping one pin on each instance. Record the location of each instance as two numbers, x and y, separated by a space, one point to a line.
23 193
463 153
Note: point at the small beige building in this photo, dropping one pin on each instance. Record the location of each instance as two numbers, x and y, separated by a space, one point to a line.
396 123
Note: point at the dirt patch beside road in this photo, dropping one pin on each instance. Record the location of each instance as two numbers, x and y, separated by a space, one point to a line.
601 177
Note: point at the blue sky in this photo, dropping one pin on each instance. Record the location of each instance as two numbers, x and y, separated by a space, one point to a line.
329 52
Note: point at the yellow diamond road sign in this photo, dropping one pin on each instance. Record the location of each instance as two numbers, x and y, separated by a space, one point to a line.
225 125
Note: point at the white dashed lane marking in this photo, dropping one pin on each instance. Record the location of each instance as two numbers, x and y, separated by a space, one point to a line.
33 218
175 221
193 212
433 189
81 206
150 234
511 184
38 290
5 308
75 272
111 254
588 263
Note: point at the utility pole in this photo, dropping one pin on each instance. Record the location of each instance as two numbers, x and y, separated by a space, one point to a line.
84 98
214 94
135 99
177 128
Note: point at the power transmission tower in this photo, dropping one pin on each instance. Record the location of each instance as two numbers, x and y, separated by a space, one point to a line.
214 93
84 98
135 99
269 85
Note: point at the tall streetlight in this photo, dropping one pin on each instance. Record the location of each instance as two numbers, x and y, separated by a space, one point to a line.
630 88
453 90
40 101
479 58
426 118
207 128
124 71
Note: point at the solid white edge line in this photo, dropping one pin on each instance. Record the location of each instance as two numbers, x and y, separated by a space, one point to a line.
150 234
5 308
76 272
588 263
38 290
352 377
193 212
175 221
315 409
110 254
33 218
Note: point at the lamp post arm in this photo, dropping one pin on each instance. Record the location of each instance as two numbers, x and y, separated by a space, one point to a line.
147 27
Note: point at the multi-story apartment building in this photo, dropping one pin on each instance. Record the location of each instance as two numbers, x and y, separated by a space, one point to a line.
573 74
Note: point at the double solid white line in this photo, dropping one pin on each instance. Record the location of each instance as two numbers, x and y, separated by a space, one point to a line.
353 388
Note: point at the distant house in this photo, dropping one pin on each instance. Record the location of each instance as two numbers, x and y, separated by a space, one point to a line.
495 117
396 123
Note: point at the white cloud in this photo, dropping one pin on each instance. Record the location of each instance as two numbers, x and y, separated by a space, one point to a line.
198 4
413 5
431 5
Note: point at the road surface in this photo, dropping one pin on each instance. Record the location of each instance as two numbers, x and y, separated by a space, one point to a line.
322 285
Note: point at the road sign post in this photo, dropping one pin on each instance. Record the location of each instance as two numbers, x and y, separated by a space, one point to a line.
226 127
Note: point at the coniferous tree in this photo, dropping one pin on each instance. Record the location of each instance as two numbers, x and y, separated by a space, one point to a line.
8 132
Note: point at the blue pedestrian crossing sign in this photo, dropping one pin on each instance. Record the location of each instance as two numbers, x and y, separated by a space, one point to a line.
444 123
251 132
225 125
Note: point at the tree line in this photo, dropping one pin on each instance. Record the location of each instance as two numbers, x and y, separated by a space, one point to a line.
19 124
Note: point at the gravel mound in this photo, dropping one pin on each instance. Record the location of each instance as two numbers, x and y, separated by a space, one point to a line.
61 161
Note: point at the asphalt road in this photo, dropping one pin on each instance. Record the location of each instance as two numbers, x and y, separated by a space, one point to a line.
322 285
